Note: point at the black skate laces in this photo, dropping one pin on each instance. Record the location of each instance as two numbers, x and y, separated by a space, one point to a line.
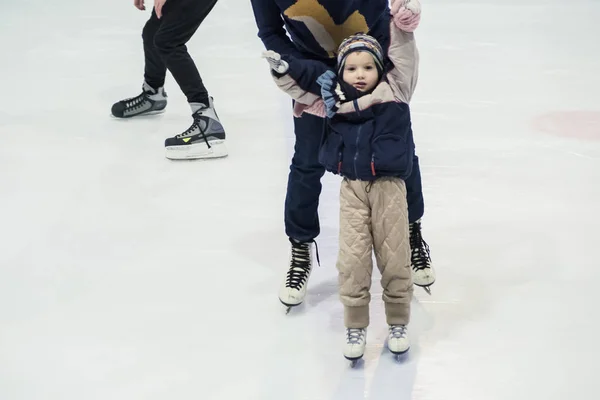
134 103
300 264
420 256
398 331
198 118
355 335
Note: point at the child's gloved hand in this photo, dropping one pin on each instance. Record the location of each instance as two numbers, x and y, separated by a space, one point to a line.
275 62
406 14
331 92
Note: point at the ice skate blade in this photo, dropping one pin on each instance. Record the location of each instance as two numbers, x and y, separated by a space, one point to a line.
288 307
197 151
139 116
399 356
427 288
353 361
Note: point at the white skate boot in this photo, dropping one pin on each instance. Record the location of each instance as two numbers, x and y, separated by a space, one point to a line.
423 274
398 343
293 289
356 341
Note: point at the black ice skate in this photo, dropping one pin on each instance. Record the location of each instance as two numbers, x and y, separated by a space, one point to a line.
293 290
150 101
422 271
205 138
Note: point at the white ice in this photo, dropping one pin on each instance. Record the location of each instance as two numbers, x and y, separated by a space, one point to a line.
125 276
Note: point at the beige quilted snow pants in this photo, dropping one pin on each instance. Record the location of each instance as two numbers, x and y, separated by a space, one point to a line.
374 216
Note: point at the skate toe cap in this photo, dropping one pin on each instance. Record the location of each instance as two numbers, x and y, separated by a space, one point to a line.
118 109
290 296
424 277
398 346
353 352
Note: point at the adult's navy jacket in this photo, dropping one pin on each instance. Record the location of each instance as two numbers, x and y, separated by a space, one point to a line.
317 27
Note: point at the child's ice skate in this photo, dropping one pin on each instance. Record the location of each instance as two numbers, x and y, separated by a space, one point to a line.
293 289
150 101
398 342
356 341
423 274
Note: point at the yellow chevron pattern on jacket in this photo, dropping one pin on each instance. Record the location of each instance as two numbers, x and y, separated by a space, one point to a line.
319 22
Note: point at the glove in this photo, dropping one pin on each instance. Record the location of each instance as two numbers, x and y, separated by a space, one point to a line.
406 14
414 6
331 92
275 62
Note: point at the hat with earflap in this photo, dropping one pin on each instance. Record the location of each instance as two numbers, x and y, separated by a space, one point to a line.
360 42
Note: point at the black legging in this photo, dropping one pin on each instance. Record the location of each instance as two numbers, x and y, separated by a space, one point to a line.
164 46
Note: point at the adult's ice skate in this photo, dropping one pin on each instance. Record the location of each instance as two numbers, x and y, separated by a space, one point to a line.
150 101
205 138
293 289
423 274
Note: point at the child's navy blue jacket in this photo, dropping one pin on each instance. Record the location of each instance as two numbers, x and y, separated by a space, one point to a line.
371 136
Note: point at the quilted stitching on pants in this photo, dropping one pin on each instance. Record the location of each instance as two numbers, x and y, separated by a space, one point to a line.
375 220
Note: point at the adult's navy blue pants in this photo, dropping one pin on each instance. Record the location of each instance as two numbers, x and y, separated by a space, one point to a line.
304 182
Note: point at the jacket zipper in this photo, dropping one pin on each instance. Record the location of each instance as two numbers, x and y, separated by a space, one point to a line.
373 165
356 155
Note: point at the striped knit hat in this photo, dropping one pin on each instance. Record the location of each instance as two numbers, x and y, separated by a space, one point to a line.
360 42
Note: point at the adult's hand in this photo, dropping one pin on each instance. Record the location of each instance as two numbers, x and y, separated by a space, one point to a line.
139 4
158 5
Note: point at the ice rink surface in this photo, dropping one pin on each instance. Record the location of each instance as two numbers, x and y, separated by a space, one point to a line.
126 276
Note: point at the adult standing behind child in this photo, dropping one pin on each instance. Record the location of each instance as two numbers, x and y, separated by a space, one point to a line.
368 142
316 29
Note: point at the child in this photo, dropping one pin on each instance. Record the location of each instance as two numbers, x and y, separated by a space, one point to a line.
369 143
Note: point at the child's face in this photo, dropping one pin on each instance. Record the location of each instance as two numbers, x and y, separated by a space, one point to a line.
360 71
